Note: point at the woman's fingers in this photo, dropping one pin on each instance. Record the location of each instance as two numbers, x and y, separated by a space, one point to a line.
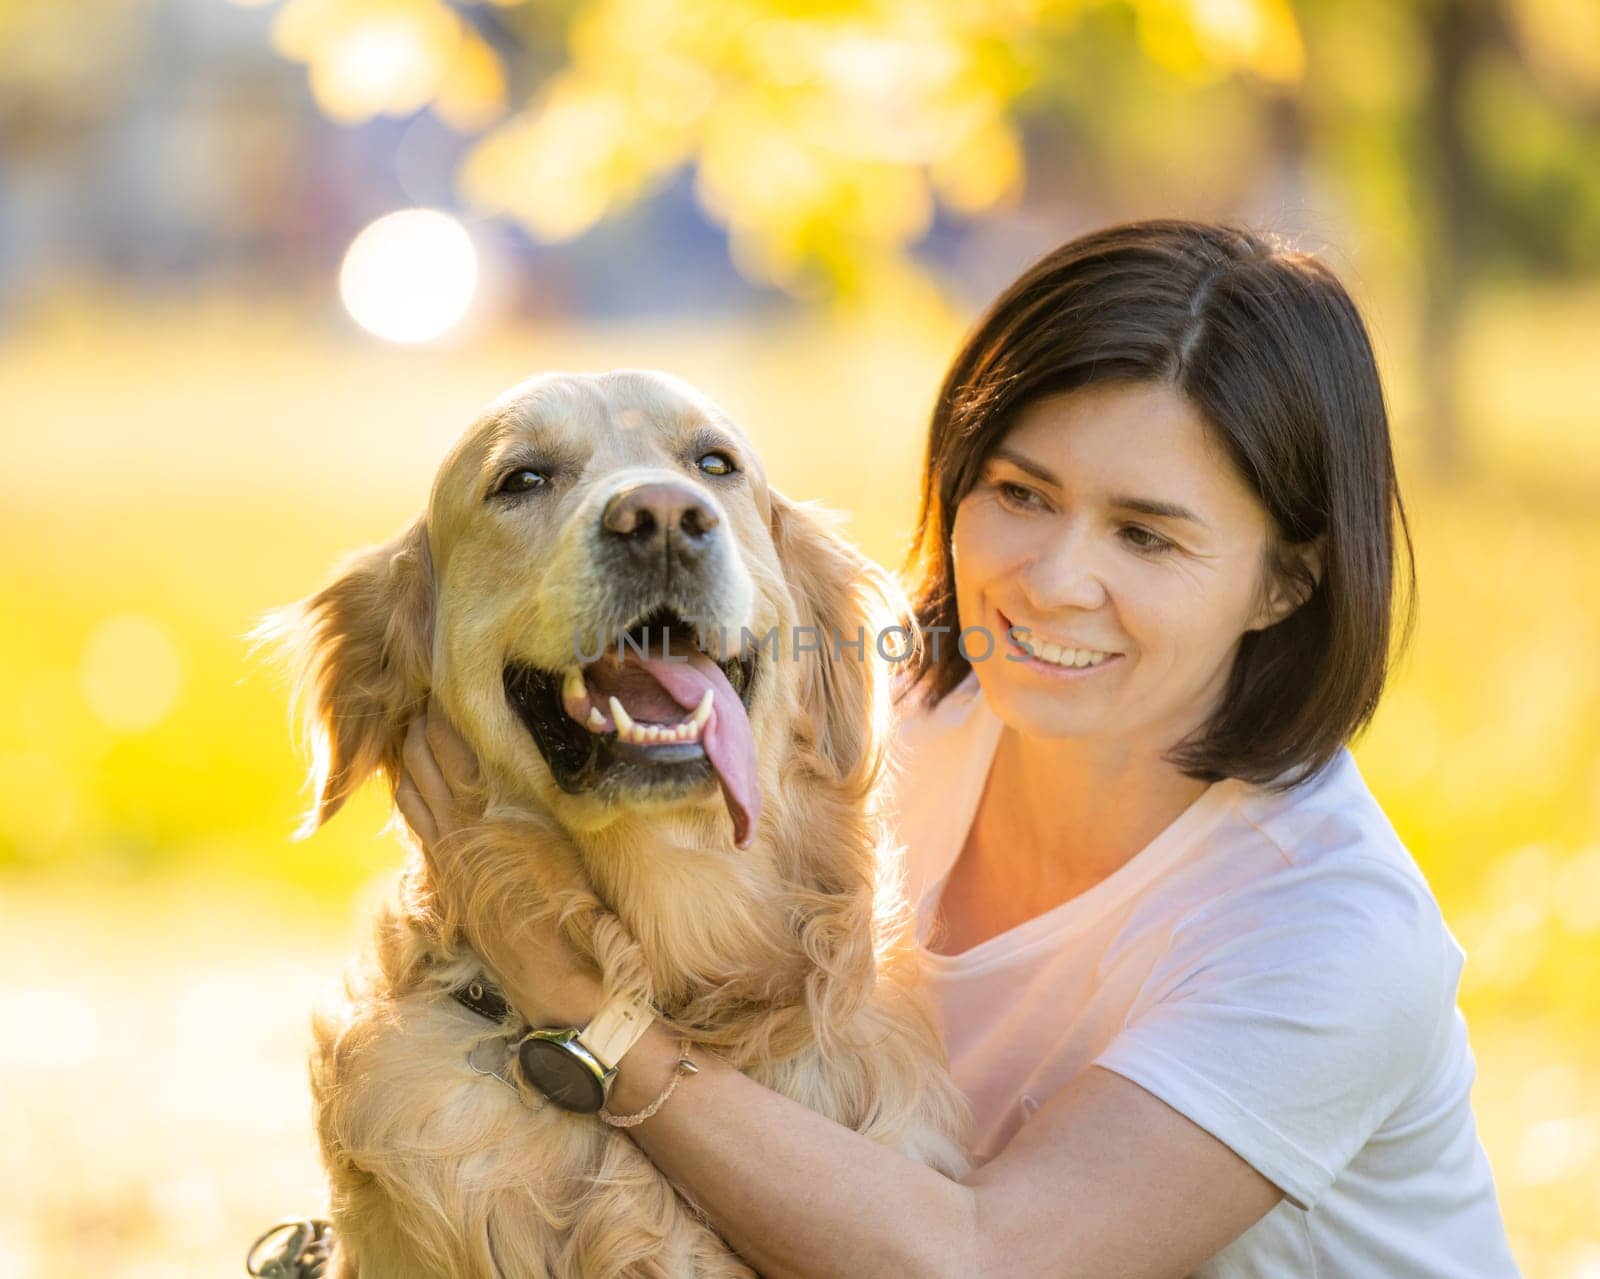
423 769
454 757
438 769
415 811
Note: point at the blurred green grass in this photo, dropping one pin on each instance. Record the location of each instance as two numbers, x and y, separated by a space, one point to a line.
169 474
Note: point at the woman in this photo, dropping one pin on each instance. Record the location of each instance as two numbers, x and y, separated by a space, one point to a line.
1199 994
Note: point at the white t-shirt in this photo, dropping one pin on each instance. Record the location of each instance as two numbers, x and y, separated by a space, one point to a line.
1272 966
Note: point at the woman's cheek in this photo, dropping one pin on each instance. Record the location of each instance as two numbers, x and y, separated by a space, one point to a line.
1186 640
989 538
972 544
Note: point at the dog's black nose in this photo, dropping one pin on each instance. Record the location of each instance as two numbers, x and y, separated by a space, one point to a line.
660 514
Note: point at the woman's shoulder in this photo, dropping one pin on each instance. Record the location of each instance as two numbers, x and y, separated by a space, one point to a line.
917 711
936 771
1328 822
934 738
1320 874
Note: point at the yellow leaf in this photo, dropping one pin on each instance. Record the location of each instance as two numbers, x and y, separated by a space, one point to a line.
473 93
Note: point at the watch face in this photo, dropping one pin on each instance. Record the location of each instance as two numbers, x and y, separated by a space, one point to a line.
560 1076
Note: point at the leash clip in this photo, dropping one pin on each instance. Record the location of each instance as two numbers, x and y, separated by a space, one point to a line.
482 1059
304 1254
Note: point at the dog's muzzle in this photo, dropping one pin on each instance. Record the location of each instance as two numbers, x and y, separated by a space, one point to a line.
653 704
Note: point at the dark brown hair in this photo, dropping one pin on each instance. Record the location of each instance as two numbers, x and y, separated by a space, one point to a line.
1269 347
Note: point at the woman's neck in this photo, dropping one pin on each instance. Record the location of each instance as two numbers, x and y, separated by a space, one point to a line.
1060 815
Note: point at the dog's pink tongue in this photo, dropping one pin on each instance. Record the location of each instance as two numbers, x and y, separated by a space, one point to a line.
729 744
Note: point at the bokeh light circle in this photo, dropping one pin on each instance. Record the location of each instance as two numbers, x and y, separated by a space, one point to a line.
409 276
131 672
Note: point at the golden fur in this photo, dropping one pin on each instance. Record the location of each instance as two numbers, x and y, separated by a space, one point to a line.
789 958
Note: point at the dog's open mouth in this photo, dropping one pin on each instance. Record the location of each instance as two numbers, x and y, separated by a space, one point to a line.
654 713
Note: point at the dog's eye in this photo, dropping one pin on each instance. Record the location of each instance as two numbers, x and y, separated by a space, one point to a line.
715 464
523 481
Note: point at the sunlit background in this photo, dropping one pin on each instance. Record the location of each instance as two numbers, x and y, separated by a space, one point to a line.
260 263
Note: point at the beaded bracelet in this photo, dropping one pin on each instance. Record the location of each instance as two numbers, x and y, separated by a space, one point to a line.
683 1067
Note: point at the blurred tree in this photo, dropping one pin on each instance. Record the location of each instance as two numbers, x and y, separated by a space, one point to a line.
1490 200
825 135
1465 132
822 135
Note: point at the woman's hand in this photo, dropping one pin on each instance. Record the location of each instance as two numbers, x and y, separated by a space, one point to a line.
439 794
437 781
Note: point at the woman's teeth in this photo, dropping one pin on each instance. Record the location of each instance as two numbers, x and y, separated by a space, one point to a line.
1058 656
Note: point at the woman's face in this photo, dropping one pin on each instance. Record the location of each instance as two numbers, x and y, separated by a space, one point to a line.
1111 525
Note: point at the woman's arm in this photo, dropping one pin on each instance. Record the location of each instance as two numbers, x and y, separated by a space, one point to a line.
1105 1180
793 1192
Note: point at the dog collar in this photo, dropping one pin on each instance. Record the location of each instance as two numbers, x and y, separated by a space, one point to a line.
480 996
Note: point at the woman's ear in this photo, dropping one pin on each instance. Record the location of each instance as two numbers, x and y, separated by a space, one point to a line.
843 602
360 656
1294 571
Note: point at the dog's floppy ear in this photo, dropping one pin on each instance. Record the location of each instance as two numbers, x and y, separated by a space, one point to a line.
843 602
360 655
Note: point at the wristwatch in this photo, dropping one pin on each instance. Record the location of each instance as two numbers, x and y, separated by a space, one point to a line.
574 1068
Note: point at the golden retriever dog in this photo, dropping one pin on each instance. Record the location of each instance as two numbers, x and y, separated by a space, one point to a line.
673 680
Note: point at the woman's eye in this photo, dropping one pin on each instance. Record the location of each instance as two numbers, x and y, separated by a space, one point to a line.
715 463
523 481
1144 540
1016 494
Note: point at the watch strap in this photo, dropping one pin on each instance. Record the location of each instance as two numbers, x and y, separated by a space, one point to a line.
617 1027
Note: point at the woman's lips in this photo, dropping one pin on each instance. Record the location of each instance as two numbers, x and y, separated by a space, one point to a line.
1056 660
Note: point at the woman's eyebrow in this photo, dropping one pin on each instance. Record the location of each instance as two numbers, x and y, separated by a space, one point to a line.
1161 510
1140 505
1024 463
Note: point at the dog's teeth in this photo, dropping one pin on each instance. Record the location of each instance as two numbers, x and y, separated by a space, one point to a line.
624 721
572 688
630 730
597 721
688 729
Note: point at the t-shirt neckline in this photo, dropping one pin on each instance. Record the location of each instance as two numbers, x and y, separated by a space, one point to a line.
1167 847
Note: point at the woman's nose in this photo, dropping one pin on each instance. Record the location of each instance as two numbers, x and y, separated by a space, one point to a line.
1064 576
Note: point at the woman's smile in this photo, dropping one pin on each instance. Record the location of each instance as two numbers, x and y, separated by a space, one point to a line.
1062 659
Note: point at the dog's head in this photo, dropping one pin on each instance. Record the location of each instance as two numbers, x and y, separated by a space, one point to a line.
617 613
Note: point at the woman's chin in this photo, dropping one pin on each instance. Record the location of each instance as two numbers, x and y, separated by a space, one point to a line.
1022 705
